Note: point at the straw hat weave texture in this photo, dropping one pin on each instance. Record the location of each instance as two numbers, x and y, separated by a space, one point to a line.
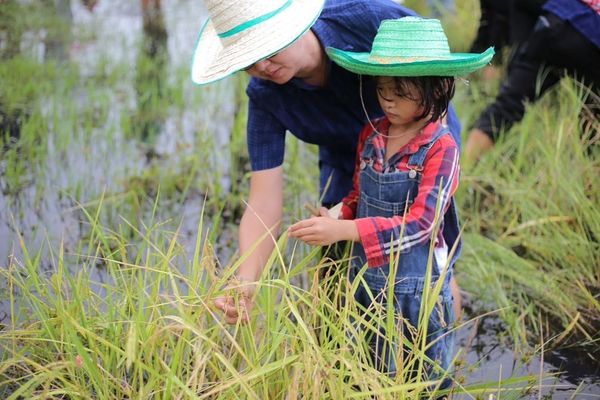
240 33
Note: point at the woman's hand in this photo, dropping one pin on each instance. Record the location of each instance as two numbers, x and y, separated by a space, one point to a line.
238 301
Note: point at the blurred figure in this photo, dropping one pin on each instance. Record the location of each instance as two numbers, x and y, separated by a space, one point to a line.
504 23
89 4
151 70
440 7
564 41
58 38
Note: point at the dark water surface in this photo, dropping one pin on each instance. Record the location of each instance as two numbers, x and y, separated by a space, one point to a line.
155 45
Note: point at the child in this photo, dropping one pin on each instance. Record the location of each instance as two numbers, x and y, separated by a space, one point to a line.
407 167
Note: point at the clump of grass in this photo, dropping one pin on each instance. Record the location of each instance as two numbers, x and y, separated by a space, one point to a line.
532 224
150 331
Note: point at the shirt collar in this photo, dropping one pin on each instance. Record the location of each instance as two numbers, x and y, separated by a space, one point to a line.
416 142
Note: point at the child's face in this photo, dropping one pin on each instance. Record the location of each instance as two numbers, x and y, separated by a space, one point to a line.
400 108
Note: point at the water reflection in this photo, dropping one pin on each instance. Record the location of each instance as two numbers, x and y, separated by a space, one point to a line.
79 145
485 357
58 37
151 69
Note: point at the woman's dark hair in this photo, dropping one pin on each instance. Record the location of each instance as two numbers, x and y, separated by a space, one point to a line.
435 93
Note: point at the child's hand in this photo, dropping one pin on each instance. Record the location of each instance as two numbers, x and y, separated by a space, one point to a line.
237 303
324 230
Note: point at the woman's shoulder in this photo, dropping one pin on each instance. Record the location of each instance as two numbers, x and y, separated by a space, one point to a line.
347 23
381 9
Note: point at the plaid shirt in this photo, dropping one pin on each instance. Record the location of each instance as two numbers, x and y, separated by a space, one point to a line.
440 167
594 4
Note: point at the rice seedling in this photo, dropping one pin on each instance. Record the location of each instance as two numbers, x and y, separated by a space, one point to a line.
150 330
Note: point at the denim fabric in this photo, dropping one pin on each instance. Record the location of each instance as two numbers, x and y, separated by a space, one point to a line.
386 195
408 297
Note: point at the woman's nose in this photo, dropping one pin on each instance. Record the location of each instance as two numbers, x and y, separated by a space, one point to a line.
262 65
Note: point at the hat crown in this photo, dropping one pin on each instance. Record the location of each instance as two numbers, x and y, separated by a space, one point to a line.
232 16
410 38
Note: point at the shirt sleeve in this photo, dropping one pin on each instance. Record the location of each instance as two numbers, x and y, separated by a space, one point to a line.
265 138
379 235
350 202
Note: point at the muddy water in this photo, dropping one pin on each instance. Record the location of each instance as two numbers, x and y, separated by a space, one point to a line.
559 374
45 208
101 159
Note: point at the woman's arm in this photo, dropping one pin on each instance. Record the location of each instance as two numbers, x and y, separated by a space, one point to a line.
258 233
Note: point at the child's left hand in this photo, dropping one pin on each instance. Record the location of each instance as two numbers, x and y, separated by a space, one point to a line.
323 231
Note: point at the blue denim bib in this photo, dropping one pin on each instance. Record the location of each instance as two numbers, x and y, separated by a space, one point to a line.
386 195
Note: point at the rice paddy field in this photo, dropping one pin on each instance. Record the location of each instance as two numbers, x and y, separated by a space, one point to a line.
121 188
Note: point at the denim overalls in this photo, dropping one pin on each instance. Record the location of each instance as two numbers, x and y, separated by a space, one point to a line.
386 195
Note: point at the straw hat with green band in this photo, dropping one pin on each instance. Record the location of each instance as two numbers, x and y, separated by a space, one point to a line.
410 46
239 33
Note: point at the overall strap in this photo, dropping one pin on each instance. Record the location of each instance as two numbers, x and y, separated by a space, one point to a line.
417 159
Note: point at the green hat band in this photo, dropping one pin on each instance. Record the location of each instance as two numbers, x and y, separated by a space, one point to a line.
253 22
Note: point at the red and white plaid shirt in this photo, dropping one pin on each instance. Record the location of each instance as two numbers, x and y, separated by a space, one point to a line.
594 4
440 166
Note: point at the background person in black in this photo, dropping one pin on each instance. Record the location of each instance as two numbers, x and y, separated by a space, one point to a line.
504 23
564 41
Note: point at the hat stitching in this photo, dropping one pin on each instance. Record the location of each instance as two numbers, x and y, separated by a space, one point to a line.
253 22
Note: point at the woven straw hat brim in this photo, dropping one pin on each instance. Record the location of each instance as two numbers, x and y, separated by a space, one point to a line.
455 65
212 62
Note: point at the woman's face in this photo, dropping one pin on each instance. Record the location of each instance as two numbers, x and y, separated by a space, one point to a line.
281 67
400 108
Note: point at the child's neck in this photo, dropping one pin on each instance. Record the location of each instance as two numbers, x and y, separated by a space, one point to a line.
406 129
399 135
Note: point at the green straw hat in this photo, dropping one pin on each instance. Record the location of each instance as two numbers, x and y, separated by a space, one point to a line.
410 46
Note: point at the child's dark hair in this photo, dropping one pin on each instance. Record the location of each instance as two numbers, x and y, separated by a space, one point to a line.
435 93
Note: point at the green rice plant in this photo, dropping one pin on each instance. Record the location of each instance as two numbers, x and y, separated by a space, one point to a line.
151 331
532 222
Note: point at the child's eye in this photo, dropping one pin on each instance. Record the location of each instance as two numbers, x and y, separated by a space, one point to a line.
405 95
384 94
